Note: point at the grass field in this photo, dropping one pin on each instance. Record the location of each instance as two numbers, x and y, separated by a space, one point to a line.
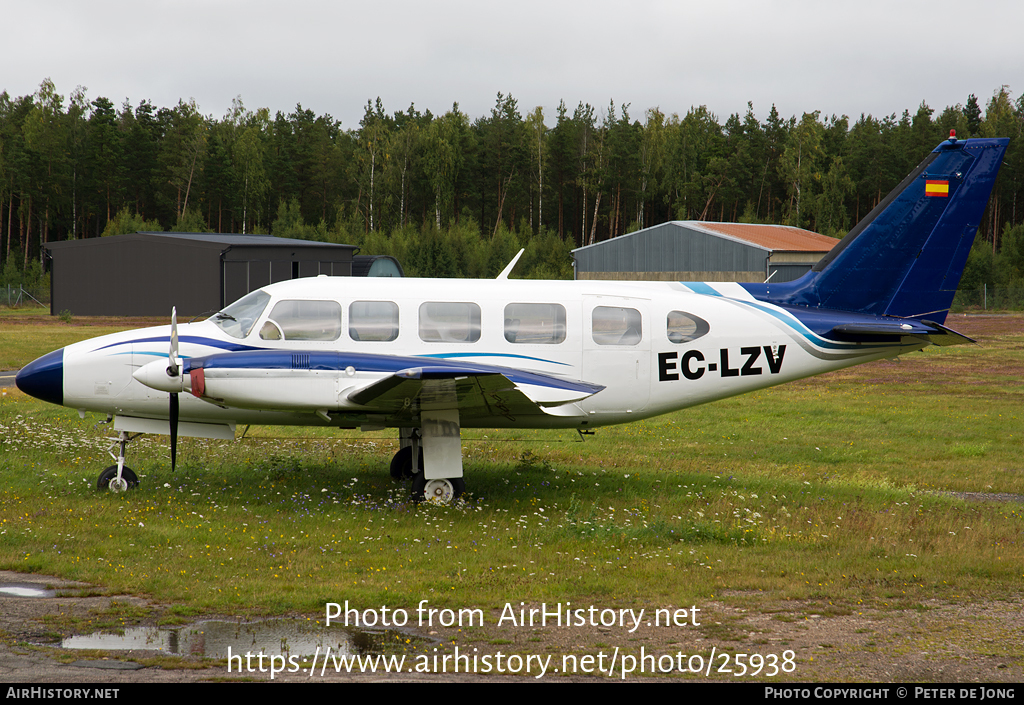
854 489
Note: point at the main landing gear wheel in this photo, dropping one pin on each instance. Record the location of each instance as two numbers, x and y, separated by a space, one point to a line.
401 464
108 479
441 490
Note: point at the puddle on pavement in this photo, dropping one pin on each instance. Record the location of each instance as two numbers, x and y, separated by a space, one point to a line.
25 590
212 639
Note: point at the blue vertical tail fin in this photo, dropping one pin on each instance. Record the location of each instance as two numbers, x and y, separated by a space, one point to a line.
906 257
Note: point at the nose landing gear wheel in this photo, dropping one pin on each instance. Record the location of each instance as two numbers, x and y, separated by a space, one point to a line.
438 490
108 479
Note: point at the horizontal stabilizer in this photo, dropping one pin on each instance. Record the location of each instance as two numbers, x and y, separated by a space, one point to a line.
948 336
936 333
880 329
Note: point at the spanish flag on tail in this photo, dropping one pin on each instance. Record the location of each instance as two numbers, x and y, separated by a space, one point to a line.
937 187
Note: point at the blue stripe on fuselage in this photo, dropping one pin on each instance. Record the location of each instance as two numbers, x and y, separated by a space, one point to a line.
814 324
807 323
196 340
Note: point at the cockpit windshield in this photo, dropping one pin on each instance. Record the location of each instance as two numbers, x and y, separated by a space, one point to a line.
238 319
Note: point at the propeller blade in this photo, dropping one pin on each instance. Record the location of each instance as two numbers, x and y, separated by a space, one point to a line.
173 364
173 418
173 370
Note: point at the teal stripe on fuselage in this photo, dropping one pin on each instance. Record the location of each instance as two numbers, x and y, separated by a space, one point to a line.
701 288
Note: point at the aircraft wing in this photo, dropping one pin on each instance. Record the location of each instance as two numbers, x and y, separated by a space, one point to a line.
473 394
395 386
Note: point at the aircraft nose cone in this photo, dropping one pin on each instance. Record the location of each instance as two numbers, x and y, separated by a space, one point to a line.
44 378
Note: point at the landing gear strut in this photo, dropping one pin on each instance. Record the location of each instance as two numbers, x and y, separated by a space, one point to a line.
118 478
402 466
432 458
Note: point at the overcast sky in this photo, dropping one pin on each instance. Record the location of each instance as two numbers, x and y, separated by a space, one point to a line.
871 56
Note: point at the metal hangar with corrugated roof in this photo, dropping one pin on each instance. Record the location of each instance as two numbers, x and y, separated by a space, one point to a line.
146 273
690 250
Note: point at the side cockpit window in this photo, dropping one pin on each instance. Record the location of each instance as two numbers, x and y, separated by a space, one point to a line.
303 320
238 319
684 327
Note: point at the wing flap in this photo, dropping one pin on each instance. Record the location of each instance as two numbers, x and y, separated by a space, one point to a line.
475 394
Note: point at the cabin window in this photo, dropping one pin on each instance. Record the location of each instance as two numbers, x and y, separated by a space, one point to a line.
449 322
684 327
535 324
616 325
303 320
375 321
238 319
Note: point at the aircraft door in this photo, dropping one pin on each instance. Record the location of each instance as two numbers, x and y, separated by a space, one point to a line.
617 353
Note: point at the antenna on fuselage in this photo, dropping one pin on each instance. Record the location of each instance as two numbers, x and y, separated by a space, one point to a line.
505 272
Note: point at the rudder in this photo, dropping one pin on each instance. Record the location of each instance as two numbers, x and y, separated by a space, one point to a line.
906 257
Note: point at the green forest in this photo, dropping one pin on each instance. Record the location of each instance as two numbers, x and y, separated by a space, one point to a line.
455 195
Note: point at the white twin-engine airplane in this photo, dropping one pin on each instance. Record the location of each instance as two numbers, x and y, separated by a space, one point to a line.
431 357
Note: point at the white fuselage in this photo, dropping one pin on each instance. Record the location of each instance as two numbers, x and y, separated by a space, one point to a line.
654 346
